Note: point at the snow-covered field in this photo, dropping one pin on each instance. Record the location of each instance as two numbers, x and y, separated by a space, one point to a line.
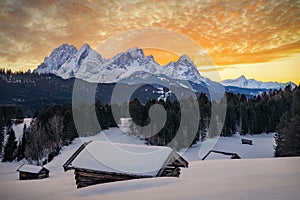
266 178
262 147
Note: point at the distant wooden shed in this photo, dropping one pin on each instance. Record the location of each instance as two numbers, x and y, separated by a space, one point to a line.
246 141
101 162
29 172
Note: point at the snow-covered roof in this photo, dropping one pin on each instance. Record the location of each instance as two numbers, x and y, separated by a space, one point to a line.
121 158
214 154
30 168
218 156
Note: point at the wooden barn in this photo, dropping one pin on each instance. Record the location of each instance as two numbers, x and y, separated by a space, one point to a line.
101 162
29 172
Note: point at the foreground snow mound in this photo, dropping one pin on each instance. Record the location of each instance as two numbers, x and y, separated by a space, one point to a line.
268 179
210 179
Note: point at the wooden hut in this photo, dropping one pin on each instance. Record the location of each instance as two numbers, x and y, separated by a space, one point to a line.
101 162
29 172
224 155
246 141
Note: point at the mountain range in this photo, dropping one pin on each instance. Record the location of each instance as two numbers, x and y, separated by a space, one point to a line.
52 82
242 82
67 62
134 67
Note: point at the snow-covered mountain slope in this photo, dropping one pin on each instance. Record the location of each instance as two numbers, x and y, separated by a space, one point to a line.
242 82
57 58
66 62
182 69
118 67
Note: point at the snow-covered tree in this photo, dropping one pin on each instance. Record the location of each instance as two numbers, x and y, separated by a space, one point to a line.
10 149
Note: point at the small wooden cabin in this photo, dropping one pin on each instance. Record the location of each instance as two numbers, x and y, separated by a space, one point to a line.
101 162
29 172
226 155
246 141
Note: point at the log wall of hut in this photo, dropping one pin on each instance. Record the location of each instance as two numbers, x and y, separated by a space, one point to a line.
86 177
30 176
172 166
171 171
43 174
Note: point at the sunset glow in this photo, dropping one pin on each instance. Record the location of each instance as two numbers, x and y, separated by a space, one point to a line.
260 39
161 56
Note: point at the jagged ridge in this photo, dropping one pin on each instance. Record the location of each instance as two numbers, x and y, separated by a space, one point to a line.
88 65
67 62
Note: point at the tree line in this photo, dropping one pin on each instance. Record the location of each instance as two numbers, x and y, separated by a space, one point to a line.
258 114
277 111
48 132
288 129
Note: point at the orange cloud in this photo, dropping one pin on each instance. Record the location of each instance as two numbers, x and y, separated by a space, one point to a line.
232 32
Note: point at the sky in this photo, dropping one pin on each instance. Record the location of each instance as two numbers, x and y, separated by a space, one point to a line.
259 39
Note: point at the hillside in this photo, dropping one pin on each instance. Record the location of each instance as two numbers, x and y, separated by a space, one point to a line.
266 178
214 179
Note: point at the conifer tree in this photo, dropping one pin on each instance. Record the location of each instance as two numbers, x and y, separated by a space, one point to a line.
10 147
1 137
288 129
